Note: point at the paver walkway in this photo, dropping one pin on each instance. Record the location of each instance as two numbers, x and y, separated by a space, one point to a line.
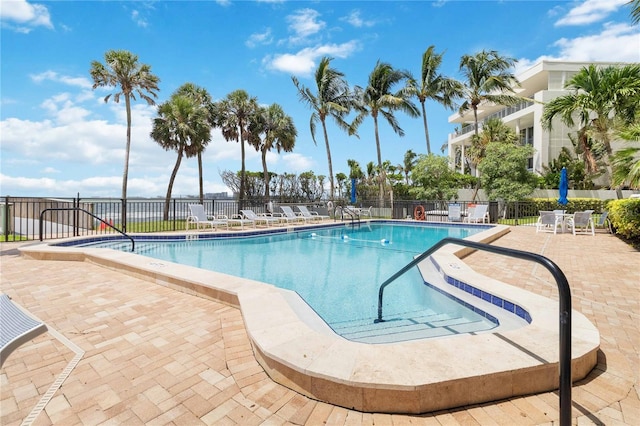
156 356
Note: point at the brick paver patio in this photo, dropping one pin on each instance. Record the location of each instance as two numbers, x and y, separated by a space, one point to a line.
154 355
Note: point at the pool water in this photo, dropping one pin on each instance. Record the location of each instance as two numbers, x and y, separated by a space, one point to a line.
337 271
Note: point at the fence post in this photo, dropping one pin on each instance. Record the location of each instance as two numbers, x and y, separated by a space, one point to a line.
123 214
5 219
174 213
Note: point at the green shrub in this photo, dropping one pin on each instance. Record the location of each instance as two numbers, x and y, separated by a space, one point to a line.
625 217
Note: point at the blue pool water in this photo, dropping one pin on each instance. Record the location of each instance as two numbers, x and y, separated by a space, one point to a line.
337 271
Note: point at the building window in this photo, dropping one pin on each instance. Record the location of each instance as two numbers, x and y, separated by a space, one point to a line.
526 136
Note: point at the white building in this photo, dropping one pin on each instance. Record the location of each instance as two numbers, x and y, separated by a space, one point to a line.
542 82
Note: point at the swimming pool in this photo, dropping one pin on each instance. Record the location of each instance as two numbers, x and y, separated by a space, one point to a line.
410 376
338 271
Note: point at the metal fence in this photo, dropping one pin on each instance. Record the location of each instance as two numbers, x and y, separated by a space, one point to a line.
20 216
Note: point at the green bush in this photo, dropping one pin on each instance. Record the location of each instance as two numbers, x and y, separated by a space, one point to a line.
625 217
574 204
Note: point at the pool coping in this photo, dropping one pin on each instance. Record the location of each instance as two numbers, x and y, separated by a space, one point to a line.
408 377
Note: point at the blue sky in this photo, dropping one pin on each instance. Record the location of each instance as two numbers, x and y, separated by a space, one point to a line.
59 138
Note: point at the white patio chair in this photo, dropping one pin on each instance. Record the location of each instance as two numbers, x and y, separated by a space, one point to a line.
305 212
548 221
260 218
477 214
201 219
582 223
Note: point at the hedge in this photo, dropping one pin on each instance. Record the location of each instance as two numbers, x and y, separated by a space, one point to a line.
625 217
574 204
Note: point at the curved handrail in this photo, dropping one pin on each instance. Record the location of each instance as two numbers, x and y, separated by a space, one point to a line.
565 306
133 243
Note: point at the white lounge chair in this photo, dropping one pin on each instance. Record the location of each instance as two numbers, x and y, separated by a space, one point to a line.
582 223
16 327
477 213
201 219
549 221
306 213
290 216
260 218
238 219
366 212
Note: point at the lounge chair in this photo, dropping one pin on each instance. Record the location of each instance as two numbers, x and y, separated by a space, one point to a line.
290 216
260 218
238 219
604 222
200 218
366 212
582 223
549 221
477 214
16 327
306 213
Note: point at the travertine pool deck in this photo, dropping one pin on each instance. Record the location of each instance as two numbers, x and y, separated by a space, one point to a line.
155 355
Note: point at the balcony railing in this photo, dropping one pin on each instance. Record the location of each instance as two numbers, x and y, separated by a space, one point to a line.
467 128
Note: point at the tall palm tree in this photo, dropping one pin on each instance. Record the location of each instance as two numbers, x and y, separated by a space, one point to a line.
122 70
598 96
272 128
182 125
333 99
487 79
435 86
378 99
233 116
625 163
635 11
202 98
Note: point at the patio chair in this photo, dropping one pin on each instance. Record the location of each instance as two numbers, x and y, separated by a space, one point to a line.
582 223
290 216
260 218
306 213
16 327
604 222
549 221
238 219
366 212
200 218
477 214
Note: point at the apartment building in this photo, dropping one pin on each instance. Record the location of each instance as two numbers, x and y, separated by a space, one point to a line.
542 82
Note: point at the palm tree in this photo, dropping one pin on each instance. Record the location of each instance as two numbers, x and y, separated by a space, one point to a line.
408 164
635 11
278 132
493 130
202 98
378 98
435 86
598 96
487 79
123 69
182 125
625 163
233 115
332 99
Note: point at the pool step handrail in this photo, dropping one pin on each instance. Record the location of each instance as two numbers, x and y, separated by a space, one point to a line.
564 301
80 209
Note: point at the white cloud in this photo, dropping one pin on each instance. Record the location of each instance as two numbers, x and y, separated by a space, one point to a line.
303 62
304 23
26 15
297 163
356 20
590 11
259 39
81 82
615 43
139 20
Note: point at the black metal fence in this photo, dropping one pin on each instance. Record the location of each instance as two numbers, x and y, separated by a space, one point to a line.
20 216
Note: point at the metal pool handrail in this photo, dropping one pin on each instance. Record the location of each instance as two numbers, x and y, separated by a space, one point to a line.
565 307
133 243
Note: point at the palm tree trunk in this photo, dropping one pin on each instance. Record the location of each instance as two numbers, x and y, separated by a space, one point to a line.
426 127
200 182
125 174
242 170
326 142
475 121
381 173
167 200
265 175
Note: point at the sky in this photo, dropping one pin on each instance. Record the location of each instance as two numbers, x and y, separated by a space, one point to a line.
58 138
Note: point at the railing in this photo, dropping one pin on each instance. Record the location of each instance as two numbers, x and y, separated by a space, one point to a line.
349 212
19 215
565 307
78 209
